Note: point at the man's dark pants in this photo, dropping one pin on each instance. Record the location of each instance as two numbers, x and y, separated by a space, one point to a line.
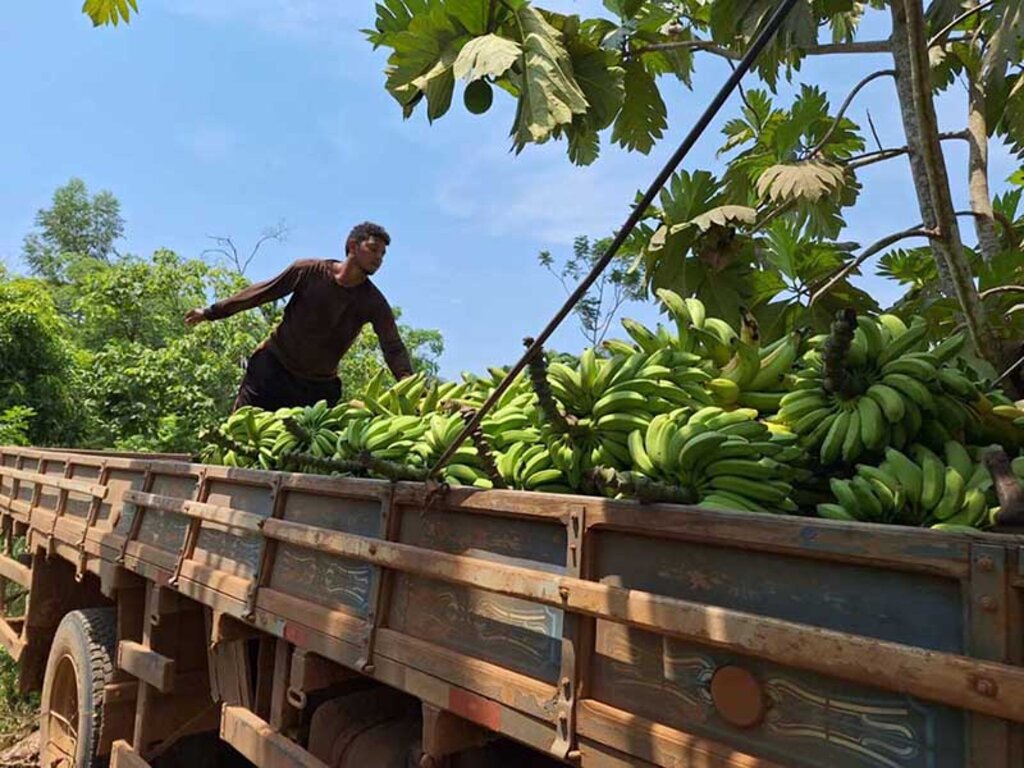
269 385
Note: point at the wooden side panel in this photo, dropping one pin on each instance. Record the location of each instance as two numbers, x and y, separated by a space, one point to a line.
232 551
165 530
6 484
524 636
858 599
48 496
827 722
334 582
119 481
78 504
26 489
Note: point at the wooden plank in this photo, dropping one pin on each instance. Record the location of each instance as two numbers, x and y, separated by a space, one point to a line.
596 755
896 547
232 518
229 673
261 744
316 617
989 738
69 530
329 646
149 666
161 558
656 743
225 583
264 688
123 756
12 570
282 715
55 481
986 687
488 680
11 640
340 487
22 509
500 503
508 721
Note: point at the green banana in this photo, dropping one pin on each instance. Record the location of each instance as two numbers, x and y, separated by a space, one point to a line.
832 446
889 400
848 500
852 445
835 512
872 424
958 458
952 496
703 442
907 473
933 477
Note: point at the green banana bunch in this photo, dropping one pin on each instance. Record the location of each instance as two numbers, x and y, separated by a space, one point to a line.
881 387
721 458
693 412
920 487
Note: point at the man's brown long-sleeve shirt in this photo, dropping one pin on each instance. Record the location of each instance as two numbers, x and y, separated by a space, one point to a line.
322 319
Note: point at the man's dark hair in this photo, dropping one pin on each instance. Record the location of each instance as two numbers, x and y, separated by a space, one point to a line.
366 230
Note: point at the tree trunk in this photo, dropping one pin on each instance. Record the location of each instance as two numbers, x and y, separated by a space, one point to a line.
928 169
981 198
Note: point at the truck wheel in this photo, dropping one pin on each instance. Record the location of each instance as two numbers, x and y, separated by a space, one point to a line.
81 663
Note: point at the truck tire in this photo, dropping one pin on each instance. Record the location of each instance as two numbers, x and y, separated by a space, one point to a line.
81 663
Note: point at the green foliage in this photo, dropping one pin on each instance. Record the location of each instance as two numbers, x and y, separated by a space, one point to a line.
102 358
617 285
766 232
75 226
1000 279
18 714
104 12
14 425
37 362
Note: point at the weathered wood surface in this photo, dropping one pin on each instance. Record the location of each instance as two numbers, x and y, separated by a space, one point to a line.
872 646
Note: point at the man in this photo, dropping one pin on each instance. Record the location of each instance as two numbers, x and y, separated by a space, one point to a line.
331 302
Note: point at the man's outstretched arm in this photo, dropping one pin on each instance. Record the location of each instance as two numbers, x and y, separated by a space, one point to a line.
256 294
395 353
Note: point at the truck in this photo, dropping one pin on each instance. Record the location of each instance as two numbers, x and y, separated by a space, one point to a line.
314 621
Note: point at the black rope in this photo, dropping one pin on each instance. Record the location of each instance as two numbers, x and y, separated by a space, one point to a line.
744 66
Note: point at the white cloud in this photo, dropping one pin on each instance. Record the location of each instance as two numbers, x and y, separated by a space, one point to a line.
540 191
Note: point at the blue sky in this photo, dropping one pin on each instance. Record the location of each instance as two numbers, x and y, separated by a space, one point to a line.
220 117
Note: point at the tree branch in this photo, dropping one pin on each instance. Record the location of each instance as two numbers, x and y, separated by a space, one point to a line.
977 169
954 267
867 253
865 46
773 214
740 89
278 233
1004 222
846 104
874 132
1001 289
937 37
226 246
680 45
862 46
868 158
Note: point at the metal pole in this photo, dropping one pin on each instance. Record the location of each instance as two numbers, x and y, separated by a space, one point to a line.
638 213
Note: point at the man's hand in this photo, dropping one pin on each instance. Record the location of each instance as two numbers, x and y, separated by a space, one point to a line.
194 317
